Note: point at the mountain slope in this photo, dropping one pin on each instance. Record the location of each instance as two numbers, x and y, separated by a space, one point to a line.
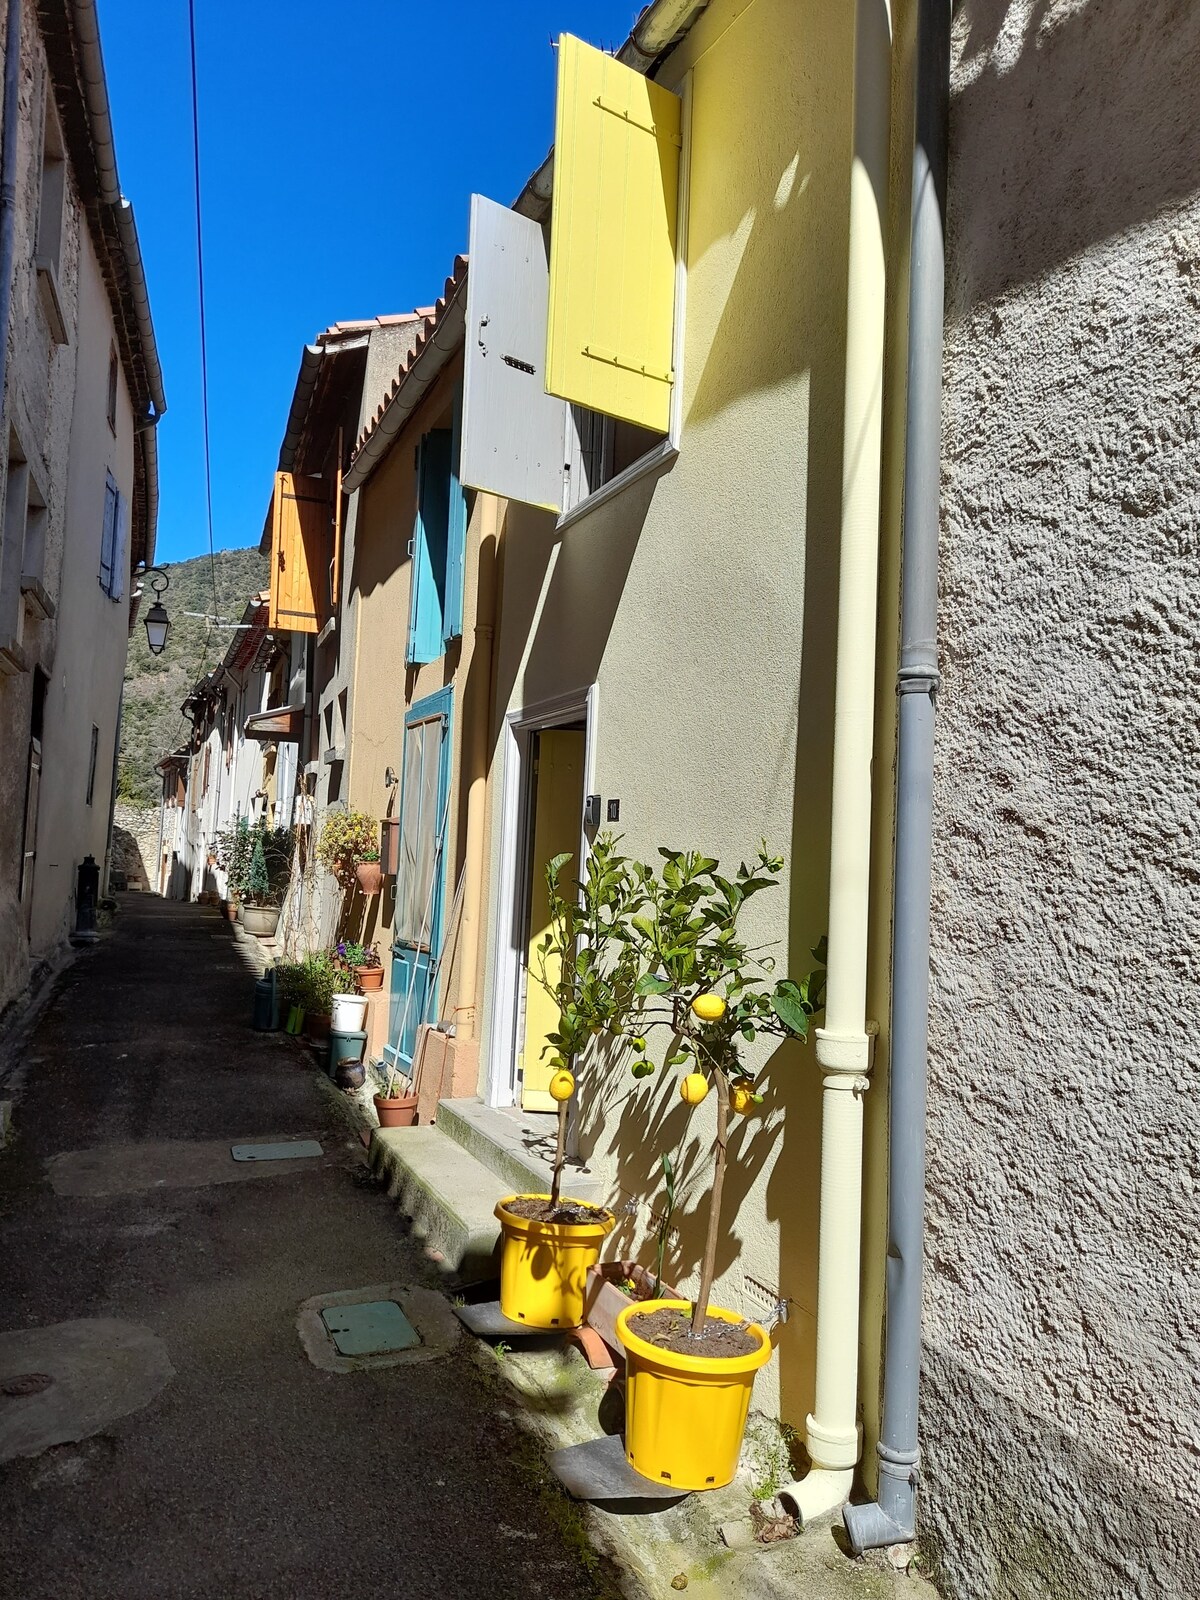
156 685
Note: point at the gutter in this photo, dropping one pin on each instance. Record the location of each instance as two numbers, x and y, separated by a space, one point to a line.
306 382
656 32
892 1518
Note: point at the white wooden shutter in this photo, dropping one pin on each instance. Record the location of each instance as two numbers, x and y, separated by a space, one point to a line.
512 430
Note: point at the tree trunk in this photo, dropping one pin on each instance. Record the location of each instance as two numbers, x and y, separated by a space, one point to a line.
709 1269
560 1149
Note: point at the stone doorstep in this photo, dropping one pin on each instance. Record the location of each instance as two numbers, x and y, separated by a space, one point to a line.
518 1147
448 1194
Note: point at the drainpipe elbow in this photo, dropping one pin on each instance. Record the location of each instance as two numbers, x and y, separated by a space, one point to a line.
892 1519
870 1528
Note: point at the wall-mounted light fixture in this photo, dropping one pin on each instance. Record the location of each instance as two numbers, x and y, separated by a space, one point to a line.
158 623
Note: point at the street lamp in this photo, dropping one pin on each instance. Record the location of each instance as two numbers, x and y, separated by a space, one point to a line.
158 623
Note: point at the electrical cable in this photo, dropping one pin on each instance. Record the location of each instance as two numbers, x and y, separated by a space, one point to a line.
203 321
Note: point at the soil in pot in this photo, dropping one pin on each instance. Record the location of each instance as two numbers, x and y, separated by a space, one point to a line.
536 1209
672 1330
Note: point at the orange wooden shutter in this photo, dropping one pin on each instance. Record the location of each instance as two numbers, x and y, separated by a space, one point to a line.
300 549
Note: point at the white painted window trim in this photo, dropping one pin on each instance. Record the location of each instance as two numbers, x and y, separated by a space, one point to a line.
660 457
514 866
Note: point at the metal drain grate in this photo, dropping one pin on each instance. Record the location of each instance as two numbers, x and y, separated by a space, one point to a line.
276 1152
374 1329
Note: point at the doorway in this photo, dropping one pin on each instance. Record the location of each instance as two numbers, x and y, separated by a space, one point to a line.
547 774
417 927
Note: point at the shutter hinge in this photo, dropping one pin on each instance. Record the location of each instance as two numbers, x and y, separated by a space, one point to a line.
611 359
644 127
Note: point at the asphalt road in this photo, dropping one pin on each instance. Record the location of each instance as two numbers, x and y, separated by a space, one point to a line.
251 1473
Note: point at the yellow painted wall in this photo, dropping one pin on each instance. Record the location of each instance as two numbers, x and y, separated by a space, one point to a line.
703 605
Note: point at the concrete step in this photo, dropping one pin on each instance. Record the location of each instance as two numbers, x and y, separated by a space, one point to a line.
516 1146
449 1195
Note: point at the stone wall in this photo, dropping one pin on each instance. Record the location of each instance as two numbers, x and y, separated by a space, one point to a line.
135 844
1062 1361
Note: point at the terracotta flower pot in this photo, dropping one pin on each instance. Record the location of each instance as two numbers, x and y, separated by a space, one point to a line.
400 1112
370 876
232 907
369 978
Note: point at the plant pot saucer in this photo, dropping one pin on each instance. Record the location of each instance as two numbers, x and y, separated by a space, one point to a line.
597 1470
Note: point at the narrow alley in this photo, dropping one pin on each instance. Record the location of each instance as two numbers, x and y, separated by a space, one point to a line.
237 1467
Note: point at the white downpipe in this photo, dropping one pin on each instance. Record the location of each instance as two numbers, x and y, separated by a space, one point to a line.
843 1045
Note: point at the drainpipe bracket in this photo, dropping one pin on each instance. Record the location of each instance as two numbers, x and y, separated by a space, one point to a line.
851 1054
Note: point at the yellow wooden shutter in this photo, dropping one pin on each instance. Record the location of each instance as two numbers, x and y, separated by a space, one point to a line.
612 239
300 548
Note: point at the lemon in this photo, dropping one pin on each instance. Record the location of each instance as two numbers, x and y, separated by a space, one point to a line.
693 1088
741 1096
708 1007
562 1085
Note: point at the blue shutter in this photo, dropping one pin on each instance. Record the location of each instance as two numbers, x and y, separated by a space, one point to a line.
456 535
108 537
429 547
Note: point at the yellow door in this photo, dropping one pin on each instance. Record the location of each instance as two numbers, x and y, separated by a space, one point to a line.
557 822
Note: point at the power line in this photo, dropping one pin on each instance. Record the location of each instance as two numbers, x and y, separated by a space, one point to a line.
212 557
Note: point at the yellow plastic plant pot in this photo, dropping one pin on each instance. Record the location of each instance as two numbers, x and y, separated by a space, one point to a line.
544 1265
685 1415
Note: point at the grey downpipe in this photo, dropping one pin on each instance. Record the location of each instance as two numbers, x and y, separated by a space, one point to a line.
892 1518
8 178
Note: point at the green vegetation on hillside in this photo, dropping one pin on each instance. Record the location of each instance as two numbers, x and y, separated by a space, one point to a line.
155 686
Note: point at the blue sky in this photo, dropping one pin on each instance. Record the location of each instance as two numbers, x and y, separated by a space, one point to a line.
339 147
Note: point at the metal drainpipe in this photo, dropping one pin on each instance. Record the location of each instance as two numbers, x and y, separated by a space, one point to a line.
892 1518
8 181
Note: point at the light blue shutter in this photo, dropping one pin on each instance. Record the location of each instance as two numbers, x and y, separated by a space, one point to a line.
120 547
429 548
456 534
108 537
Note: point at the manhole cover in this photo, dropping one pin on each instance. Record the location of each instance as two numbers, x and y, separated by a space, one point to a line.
374 1329
25 1383
276 1152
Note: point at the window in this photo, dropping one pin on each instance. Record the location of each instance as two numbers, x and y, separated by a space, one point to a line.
114 374
438 545
22 548
92 763
51 205
114 540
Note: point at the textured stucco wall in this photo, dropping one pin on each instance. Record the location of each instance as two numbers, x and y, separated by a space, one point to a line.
703 607
1062 1362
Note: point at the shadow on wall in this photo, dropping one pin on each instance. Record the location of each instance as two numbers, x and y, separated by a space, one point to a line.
1081 127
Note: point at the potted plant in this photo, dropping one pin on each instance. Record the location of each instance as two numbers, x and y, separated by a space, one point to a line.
394 1110
690 1366
363 961
588 962
349 848
290 987
266 879
318 984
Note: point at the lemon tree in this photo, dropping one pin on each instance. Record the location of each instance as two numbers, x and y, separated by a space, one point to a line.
589 963
716 993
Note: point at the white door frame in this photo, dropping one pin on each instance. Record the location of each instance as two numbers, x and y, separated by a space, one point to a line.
514 866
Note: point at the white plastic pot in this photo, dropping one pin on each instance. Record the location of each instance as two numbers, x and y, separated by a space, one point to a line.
349 1013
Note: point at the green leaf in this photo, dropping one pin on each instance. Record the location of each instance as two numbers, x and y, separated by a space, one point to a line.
647 984
788 1005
